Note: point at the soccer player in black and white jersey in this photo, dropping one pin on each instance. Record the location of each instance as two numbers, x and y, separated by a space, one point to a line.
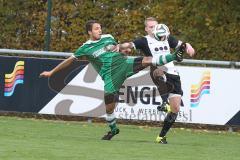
166 77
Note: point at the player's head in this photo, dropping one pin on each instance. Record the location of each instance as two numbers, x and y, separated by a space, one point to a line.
161 32
94 29
149 23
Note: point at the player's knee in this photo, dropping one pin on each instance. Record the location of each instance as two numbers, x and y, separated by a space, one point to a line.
157 73
175 108
111 98
110 102
175 103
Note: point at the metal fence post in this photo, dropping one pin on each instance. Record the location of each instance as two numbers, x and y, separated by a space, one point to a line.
48 27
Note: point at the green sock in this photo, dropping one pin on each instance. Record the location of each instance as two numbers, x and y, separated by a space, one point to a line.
113 127
166 59
111 120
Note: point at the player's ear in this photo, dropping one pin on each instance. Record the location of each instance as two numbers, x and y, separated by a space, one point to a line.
89 32
146 29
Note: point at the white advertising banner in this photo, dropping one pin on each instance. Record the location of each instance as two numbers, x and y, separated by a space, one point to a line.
210 96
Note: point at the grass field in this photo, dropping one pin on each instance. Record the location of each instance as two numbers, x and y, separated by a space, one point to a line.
34 139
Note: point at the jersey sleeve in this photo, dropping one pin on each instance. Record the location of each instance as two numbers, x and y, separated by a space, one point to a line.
138 43
173 42
142 45
79 52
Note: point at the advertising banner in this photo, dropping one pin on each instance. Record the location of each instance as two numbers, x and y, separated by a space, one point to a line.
210 94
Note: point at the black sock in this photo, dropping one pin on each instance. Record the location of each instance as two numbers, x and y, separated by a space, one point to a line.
168 122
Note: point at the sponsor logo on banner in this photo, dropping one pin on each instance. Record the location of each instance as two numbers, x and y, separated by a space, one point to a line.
14 78
138 96
200 89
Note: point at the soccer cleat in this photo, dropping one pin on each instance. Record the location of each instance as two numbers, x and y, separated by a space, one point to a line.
164 108
111 134
162 140
179 52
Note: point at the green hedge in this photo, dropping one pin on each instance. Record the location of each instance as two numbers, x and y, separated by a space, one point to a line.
212 27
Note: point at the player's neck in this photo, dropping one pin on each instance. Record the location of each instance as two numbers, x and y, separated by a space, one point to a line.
93 39
150 36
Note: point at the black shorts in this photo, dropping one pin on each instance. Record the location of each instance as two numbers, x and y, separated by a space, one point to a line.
175 81
172 85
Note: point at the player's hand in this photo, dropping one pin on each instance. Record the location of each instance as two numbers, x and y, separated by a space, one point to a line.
115 48
189 50
179 52
45 74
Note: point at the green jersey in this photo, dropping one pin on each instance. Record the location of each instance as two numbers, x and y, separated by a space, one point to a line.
113 67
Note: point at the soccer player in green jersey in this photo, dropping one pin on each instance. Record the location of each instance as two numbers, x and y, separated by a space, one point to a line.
113 67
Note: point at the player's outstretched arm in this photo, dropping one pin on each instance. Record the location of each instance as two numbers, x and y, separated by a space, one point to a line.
190 50
67 62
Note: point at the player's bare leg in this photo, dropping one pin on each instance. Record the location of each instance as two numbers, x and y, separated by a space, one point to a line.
175 102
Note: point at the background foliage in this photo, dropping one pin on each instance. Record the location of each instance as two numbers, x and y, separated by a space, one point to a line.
212 27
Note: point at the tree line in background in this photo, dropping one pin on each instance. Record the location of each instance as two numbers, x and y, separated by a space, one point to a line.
212 27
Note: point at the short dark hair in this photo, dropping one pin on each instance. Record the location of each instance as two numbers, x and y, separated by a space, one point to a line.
89 25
